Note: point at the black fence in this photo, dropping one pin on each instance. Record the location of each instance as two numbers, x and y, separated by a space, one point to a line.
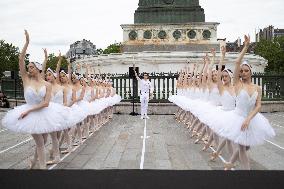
164 85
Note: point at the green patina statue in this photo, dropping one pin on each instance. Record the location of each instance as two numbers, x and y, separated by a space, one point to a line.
169 11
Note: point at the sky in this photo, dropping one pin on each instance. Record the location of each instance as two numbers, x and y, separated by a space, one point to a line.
55 24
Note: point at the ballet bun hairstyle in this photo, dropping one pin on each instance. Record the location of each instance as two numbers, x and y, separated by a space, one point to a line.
52 72
246 63
37 65
63 72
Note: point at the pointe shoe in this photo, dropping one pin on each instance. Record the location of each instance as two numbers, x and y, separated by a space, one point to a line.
228 166
194 133
205 148
33 164
196 141
52 162
75 144
67 151
214 156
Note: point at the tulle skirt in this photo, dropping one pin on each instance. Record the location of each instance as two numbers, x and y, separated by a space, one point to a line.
115 99
86 107
228 125
46 120
77 114
97 107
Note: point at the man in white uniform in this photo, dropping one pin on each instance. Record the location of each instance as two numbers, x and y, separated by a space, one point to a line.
146 91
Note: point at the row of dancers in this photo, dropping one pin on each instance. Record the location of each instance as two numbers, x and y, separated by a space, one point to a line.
221 106
66 106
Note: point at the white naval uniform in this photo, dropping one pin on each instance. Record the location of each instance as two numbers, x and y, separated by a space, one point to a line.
145 90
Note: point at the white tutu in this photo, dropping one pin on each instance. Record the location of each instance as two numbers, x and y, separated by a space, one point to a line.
86 107
46 120
77 114
229 123
97 107
116 99
229 126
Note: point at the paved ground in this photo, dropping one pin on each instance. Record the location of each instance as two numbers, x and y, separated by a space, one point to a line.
119 145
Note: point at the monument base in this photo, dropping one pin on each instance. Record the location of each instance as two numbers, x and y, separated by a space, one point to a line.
195 36
173 48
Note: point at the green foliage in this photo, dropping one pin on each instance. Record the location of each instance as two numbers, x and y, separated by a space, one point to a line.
273 51
113 48
9 57
53 60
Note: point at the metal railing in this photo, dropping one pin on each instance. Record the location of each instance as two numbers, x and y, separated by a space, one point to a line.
164 85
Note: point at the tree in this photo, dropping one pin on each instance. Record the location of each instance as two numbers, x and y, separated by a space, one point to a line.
53 60
9 58
273 51
113 48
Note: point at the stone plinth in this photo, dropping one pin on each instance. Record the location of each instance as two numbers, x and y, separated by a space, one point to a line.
195 36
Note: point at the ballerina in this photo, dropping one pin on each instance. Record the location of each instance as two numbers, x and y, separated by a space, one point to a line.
78 92
39 115
245 125
76 115
226 90
58 95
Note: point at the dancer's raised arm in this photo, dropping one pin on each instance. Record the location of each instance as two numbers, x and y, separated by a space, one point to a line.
221 63
200 73
239 60
205 71
44 64
22 56
210 69
136 75
69 71
58 67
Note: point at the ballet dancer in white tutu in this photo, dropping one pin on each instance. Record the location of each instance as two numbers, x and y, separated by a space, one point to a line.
76 114
245 125
78 93
39 116
228 98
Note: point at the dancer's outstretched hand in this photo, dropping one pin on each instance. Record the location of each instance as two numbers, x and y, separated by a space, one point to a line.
213 52
23 115
27 36
245 125
247 40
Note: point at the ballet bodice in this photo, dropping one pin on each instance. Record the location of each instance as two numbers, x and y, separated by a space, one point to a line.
214 96
34 97
245 103
228 101
69 97
88 95
58 97
78 93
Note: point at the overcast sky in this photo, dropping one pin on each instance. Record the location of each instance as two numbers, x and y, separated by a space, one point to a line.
55 24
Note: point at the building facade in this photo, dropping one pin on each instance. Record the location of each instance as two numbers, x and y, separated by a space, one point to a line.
80 49
269 33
